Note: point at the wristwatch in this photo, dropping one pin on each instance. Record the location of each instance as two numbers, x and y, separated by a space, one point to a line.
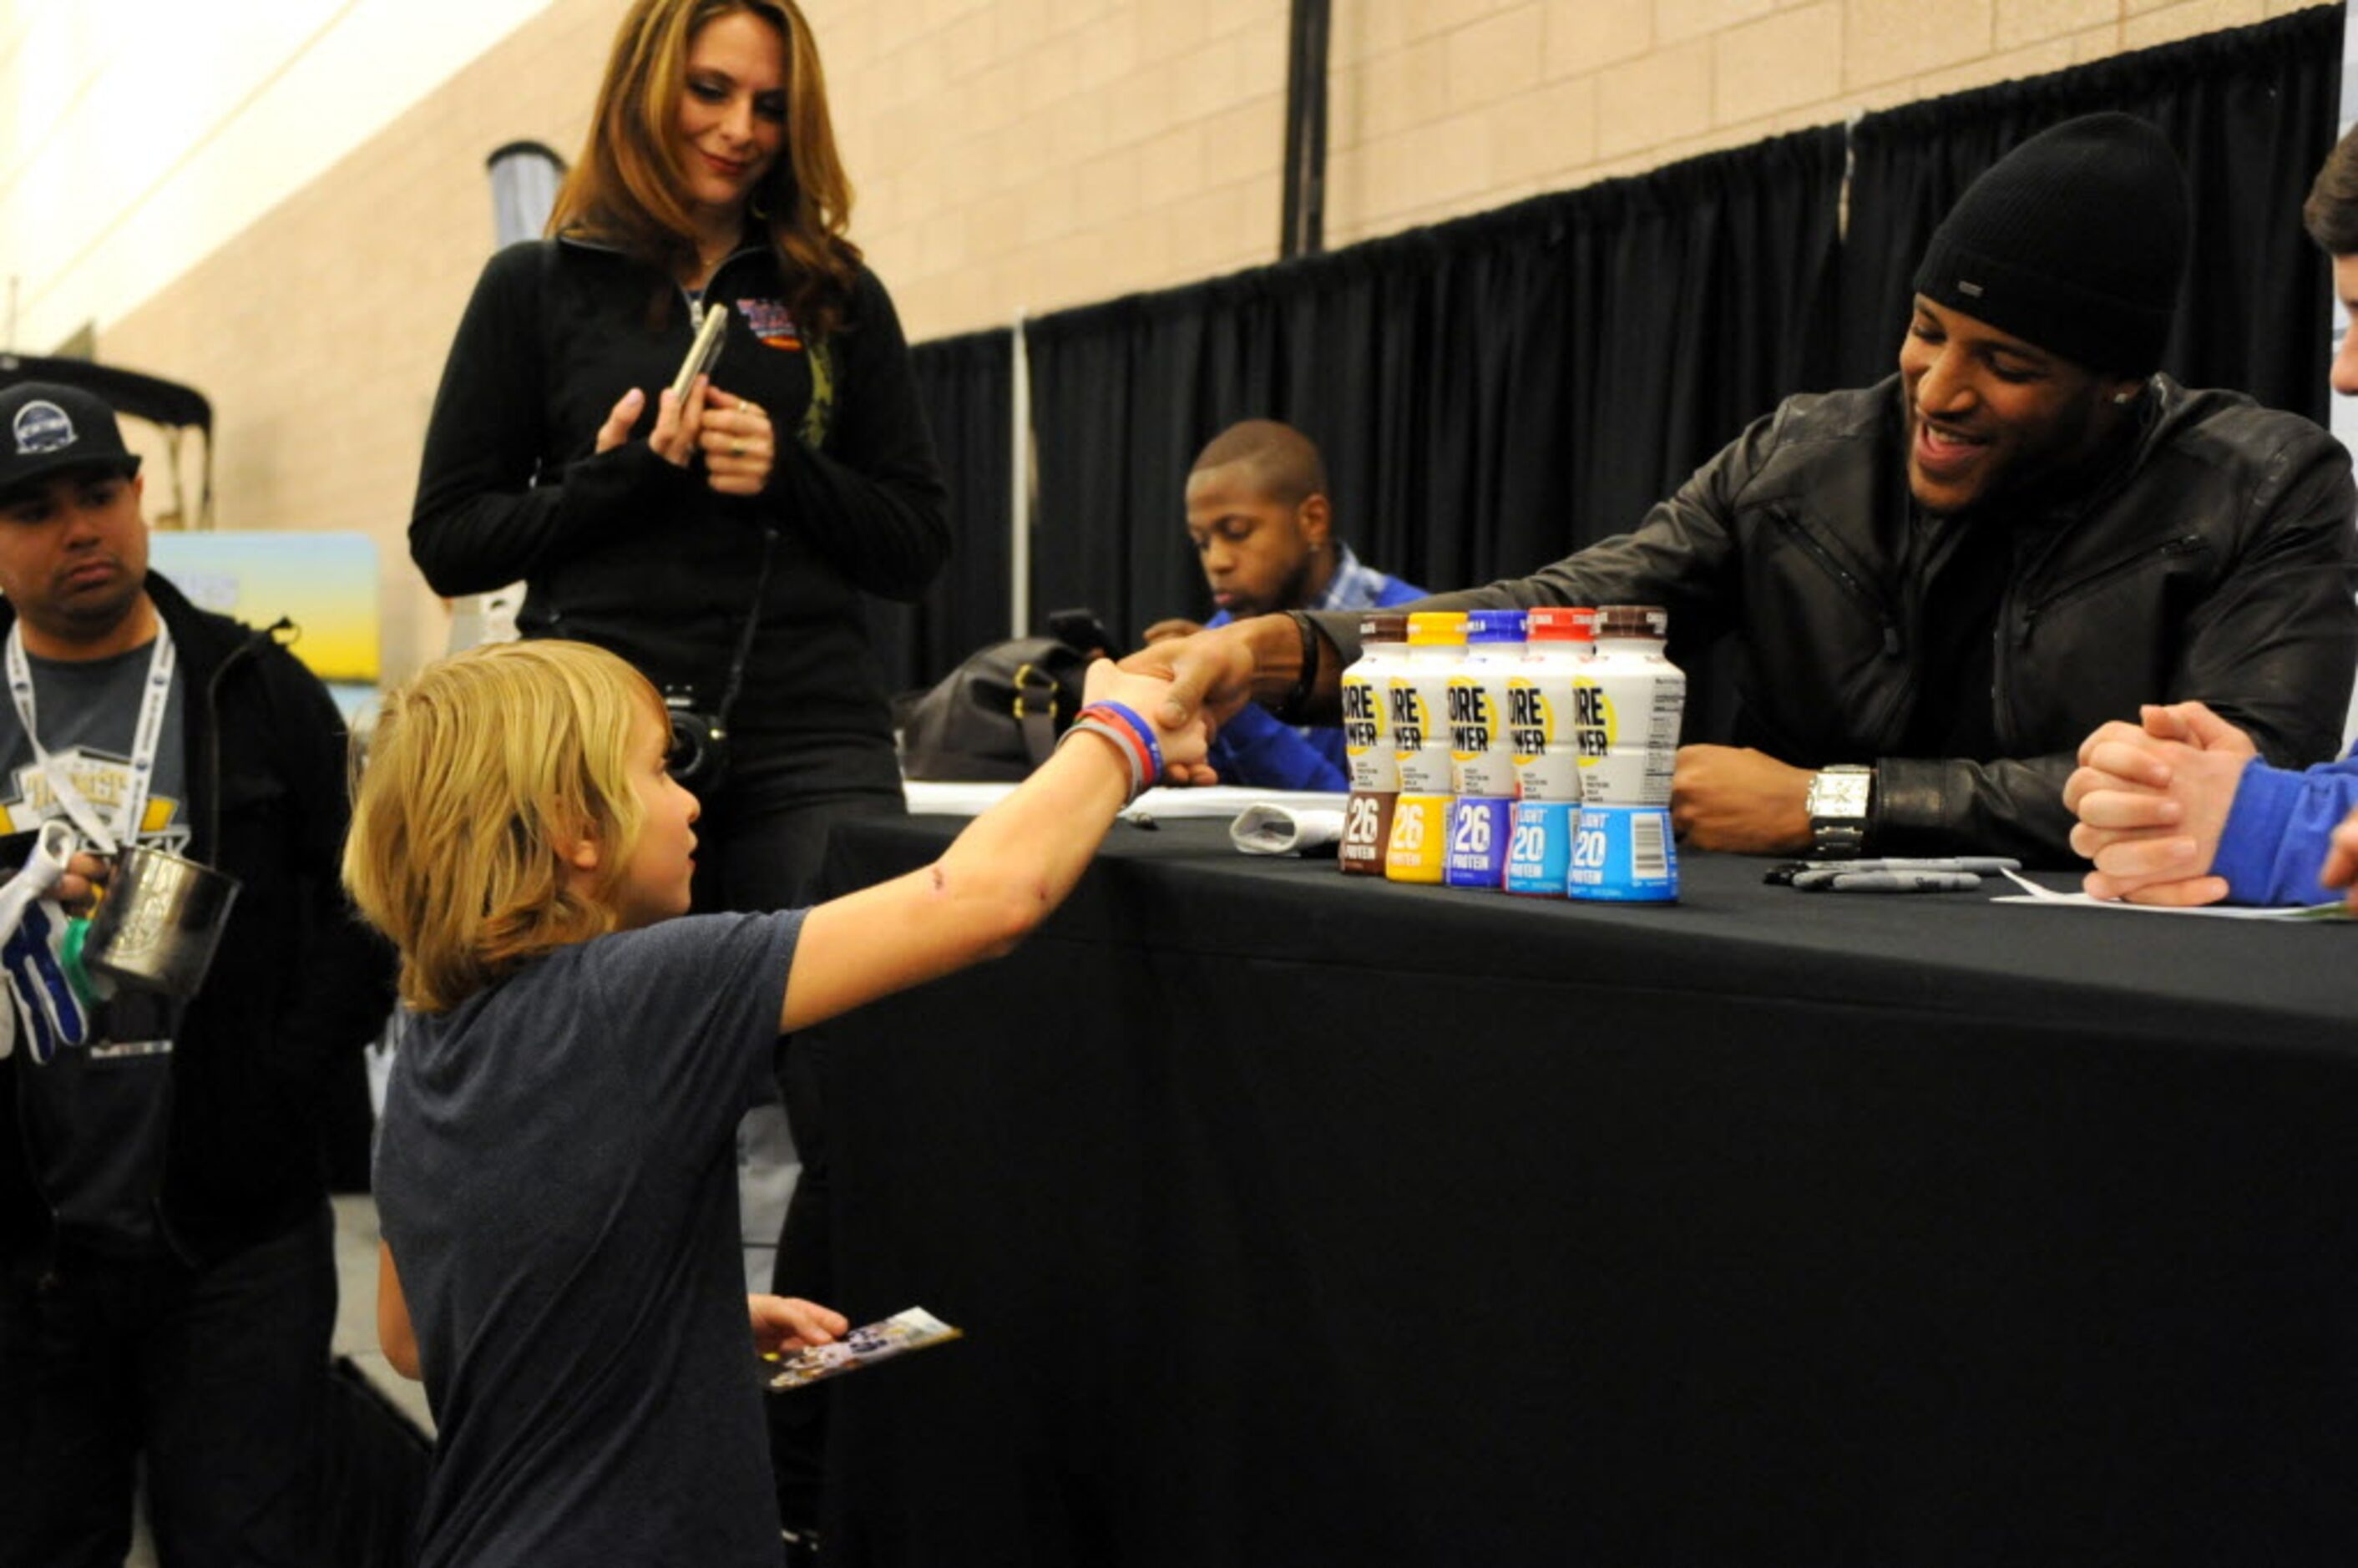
1840 797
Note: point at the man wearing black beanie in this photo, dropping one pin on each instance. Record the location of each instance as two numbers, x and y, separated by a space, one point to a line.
1938 585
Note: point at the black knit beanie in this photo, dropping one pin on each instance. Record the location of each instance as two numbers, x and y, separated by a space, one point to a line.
2074 242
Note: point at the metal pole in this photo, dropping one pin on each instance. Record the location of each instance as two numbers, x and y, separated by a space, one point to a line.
1018 494
1304 220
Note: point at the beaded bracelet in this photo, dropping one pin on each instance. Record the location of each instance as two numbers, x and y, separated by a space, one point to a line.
1122 742
1305 680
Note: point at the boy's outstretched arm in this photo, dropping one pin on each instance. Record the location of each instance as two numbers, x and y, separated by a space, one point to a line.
1000 879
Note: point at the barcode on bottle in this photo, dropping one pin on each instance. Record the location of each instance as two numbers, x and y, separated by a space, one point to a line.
1649 850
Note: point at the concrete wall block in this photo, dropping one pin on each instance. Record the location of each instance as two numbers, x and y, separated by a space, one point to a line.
1497 57
1778 63
1426 17
1585 35
1450 161
2021 22
2037 59
1141 105
2187 19
1538 139
1171 166
1108 50
1660 98
1016 27
1887 38
1264 56
1361 31
1395 92
1676 21
1245 141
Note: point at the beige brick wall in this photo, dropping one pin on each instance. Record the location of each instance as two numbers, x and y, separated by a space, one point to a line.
1029 155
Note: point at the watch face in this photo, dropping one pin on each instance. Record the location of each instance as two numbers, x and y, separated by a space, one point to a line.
1839 795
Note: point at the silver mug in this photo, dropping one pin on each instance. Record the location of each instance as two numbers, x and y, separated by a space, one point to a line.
158 925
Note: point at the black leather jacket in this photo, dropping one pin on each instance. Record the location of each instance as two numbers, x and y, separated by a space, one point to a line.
297 979
2214 560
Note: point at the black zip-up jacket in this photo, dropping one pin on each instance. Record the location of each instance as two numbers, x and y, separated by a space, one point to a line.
296 981
629 552
2213 561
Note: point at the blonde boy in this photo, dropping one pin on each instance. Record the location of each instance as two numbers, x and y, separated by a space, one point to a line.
555 1176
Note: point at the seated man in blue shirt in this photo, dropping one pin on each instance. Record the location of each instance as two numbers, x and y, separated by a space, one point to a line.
2178 808
1261 523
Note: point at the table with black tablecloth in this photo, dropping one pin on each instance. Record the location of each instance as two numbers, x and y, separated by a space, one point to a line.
1301 1218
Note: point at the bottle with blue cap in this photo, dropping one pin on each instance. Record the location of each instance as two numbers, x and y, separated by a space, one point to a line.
1628 705
1420 709
1481 761
1541 737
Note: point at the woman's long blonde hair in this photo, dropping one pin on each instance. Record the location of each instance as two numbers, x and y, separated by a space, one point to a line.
481 771
625 188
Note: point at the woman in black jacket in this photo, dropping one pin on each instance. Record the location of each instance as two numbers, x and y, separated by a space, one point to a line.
721 541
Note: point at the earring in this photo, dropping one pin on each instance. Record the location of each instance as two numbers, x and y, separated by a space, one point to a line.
2125 398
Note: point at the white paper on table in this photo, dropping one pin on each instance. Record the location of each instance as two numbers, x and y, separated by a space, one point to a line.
2049 897
1276 827
939 798
942 798
1225 802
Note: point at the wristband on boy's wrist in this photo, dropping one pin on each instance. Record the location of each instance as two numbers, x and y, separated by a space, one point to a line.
1108 708
1132 756
1305 680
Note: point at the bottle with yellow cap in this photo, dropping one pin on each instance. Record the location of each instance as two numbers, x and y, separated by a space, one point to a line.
1419 694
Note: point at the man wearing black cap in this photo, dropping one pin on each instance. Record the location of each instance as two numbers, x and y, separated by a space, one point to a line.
1938 585
167 1279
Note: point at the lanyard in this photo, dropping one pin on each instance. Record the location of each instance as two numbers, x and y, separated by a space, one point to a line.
134 804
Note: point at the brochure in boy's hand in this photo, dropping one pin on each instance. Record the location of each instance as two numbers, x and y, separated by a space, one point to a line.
863 1346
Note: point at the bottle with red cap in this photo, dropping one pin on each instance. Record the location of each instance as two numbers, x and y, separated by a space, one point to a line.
1628 705
1367 744
1558 642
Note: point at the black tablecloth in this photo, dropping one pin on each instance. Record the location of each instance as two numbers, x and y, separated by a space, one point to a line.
1297 1218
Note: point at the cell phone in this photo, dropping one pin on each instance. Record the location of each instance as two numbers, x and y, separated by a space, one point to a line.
703 353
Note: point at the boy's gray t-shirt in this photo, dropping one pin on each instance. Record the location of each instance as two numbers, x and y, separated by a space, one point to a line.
557 1180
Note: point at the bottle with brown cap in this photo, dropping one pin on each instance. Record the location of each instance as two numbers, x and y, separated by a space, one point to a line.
1628 705
1368 743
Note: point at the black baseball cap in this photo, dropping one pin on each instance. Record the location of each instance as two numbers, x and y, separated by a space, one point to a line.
46 428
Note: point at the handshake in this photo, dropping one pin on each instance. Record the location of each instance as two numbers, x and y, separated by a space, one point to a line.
1206 676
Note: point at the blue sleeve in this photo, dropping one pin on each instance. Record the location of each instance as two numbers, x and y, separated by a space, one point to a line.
1254 749
2275 841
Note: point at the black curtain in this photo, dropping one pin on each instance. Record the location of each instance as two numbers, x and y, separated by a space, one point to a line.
2251 113
1495 391
965 388
1489 393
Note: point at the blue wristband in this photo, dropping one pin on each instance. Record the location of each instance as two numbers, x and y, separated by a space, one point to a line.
1145 734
